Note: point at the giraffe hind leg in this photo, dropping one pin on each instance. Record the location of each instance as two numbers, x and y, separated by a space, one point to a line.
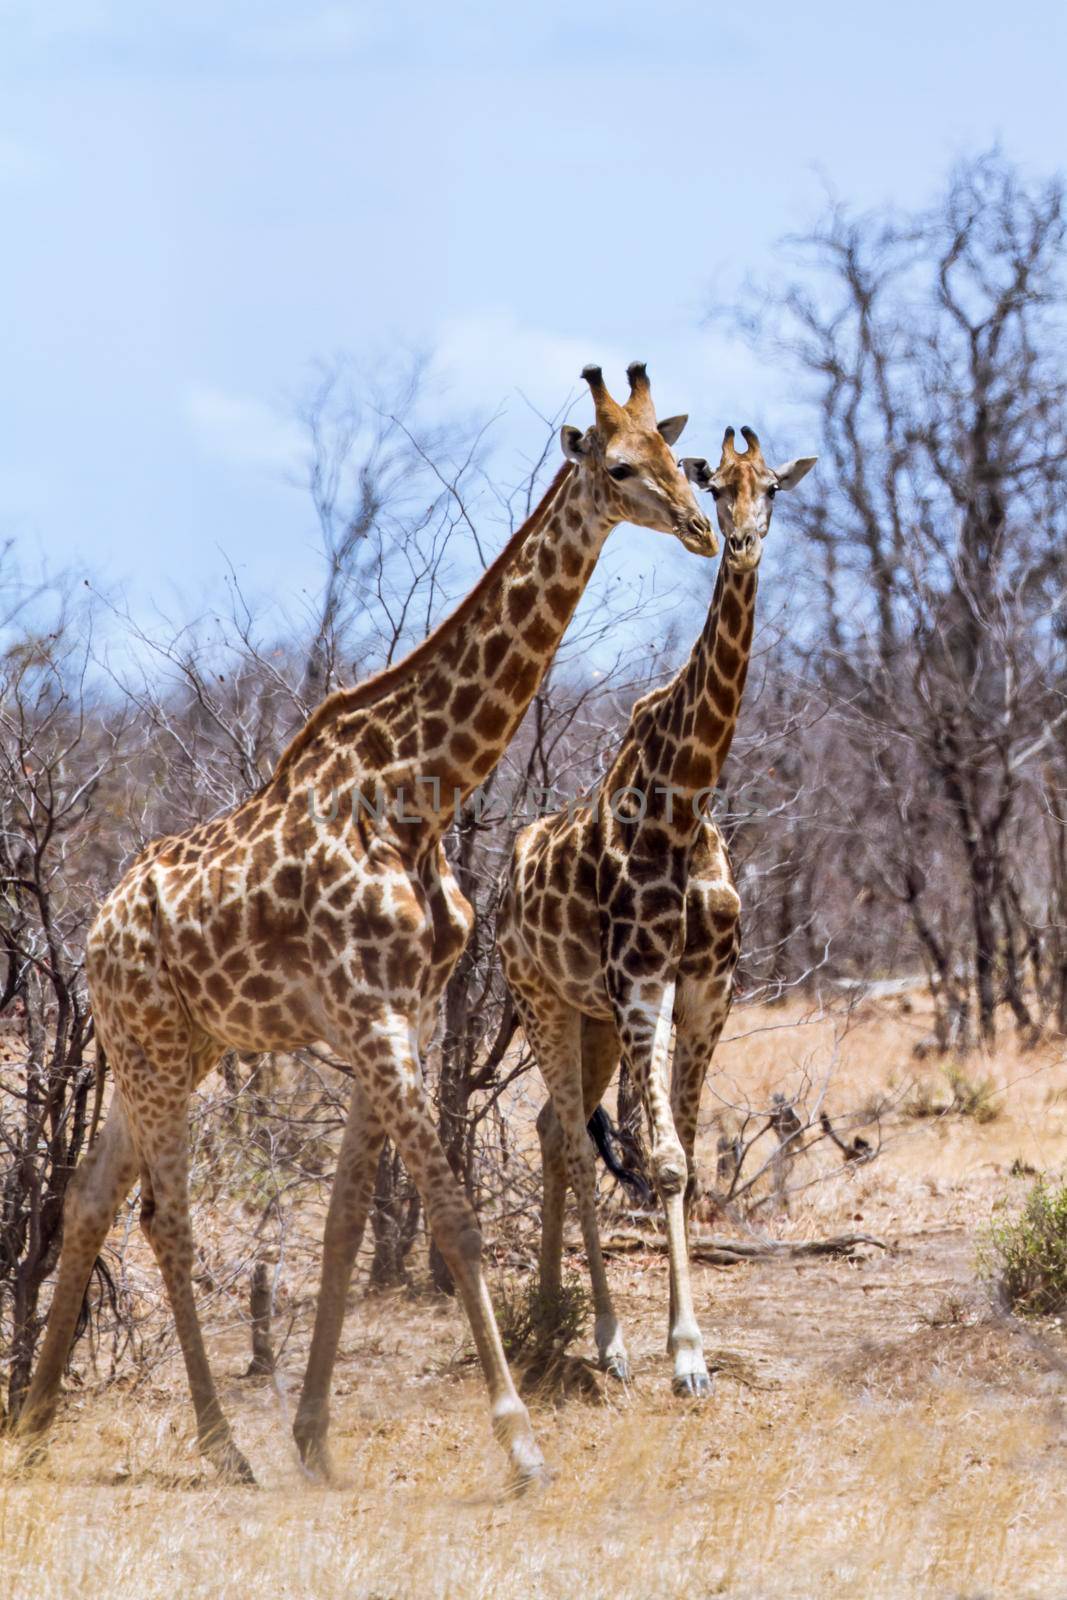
556 1033
155 1091
350 1201
166 1224
96 1191
600 1058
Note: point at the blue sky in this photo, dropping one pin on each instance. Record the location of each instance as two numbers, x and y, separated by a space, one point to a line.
201 201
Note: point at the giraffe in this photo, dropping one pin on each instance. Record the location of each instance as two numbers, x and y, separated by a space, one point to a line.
294 918
620 919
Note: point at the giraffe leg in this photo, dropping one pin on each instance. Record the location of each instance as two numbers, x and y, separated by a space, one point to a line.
697 1033
600 1057
700 1017
713 928
581 1166
563 1152
689 1069
350 1201
163 1151
389 1067
555 1032
95 1193
645 1031
553 1168
554 1196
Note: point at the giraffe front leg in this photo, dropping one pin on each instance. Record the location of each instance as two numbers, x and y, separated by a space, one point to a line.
385 1056
645 1030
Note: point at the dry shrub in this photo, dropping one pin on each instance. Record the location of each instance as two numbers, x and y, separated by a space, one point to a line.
972 1097
967 1097
531 1320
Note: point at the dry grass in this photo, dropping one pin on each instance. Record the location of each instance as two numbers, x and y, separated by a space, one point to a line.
873 1432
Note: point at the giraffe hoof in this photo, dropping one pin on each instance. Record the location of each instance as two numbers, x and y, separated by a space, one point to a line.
693 1386
315 1460
231 1465
528 1479
32 1457
617 1367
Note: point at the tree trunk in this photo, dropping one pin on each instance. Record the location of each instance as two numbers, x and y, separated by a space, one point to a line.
262 1362
1013 971
394 1221
985 945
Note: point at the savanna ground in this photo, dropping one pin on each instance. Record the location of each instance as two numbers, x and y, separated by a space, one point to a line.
875 1429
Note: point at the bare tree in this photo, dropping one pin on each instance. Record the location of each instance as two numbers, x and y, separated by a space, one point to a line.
59 754
931 345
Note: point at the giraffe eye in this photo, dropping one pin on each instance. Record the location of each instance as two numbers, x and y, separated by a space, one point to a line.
772 491
620 472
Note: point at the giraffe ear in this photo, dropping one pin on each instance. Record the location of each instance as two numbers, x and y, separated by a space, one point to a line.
575 443
671 427
698 470
791 473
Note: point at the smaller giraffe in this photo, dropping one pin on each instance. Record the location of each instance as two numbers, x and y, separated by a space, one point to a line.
621 920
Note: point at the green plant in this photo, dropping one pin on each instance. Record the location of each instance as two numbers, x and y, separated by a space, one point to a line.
1025 1258
531 1321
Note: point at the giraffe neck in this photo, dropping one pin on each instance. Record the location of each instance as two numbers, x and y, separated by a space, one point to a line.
437 723
689 726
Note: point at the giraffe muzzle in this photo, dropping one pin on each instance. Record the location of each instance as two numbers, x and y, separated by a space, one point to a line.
700 537
744 550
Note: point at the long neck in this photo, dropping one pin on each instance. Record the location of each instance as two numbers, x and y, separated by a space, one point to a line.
438 722
472 696
689 726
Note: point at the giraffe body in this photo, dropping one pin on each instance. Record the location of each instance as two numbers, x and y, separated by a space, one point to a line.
322 908
621 922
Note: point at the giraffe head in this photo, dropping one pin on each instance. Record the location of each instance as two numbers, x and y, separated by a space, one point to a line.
744 487
627 455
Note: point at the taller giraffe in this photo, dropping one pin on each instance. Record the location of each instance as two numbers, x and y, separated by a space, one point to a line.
296 917
621 919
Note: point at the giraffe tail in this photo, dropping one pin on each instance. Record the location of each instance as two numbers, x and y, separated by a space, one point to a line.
605 1136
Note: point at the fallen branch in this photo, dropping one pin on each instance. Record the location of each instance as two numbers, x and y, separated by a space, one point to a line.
725 1252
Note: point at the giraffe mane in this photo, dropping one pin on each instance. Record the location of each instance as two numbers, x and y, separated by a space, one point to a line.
341 701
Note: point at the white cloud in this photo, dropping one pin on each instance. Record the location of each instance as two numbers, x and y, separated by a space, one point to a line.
243 431
488 357
491 358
